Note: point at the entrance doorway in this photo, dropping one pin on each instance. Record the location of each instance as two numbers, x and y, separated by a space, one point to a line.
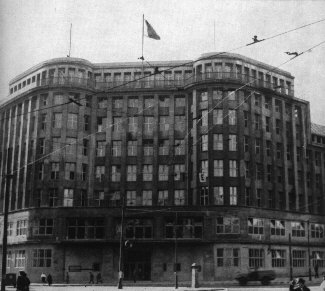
137 264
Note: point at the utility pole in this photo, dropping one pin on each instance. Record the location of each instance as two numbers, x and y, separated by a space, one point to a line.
5 234
120 263
290 257
175 253
308 242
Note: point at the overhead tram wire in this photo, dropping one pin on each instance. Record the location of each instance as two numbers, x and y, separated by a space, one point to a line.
35 161
177 66
243 86
183 65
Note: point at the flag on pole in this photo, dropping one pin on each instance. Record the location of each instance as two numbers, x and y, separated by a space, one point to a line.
151 32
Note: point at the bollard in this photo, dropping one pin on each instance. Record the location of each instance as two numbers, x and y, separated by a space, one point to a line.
195 281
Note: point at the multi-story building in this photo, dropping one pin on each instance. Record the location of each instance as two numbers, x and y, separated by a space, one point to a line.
215 160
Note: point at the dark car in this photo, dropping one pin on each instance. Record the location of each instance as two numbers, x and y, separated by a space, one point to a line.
264 276
11 279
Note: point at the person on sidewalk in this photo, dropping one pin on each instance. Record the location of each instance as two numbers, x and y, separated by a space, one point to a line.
27 281
49 279
316 270
43 278
99 278
322 285
67 279
91 278
298 284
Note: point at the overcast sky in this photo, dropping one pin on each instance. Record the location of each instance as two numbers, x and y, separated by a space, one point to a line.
33 31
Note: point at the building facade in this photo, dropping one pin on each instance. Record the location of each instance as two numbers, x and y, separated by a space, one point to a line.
214 161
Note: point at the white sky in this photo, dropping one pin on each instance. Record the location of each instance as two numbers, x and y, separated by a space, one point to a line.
32 31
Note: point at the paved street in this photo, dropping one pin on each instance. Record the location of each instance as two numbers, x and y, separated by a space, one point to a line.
148 288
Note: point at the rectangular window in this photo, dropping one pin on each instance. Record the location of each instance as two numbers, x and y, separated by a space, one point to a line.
232 117
84 172
179 146
217 116
117 124
57 120
179 171
116 173
298 229
298 259
131 198
116 148
204 117
246 144
117 102
131 175
180 102
100 148
71 148
180 123
43 226
58 99
204 143
139 229
218 195
227 225
85 144
278 258
218 142
164 147
146 198
21 227
147 172
232 142
163 123
72 122
179 197
70 169
99 198
204 196
132 148
257 122
277 227
86 122
256 258
233 170
100 173
267 124
133 124
148 125
218 168
268 148
163 173
162 197
85 228
53 197
148 102
55 169
255 226
102 102
133 102
148 148
246 118
317 230
217 94
257 146
233 195
20 259
163 101
68 198
277 126
43 121
41 171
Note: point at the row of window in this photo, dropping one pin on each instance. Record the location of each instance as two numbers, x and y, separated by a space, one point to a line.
40 258
82 228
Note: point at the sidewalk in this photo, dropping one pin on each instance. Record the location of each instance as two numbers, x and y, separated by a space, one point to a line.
211 285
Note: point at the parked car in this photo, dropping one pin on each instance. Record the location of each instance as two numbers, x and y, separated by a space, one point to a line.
11 279
264 276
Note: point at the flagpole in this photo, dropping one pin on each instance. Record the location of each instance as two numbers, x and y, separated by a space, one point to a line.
142 58
70 39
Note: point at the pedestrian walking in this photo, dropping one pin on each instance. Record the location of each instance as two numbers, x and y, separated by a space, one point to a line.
43 278
99 278
298 284
67 278
316 270
91 278
49 279
22 283
322 285
27 281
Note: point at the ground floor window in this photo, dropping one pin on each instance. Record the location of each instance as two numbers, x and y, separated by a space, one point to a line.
20 258
278 258
227 257
42 257
318 258
256 258
298 258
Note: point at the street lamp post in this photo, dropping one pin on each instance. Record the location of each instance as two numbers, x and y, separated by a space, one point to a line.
175 254
4 240
120 269
308 242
